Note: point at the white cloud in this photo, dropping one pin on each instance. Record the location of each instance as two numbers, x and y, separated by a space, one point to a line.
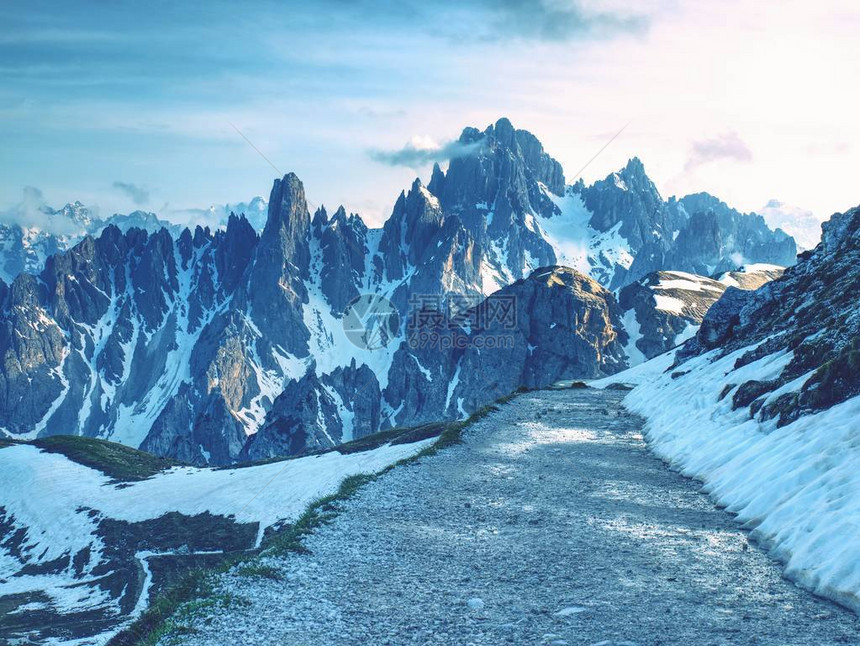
725 147
422 151
135 193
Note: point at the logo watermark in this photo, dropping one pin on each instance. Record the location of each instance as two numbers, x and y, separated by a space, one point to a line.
459 321
371 322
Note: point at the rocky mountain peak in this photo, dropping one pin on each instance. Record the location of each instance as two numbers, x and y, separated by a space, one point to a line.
841 230
77 213
416 219
471 135
525 147
634 167
437 180
320 220
285 237
281 269
339 215
235 251
343 250
503 131
288 208
630 198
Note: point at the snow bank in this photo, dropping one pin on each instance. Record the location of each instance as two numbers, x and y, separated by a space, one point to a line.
638 374
797 487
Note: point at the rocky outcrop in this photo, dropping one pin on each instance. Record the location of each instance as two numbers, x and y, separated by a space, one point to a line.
319 412
567 327
304 417
666 308
556 324
811 312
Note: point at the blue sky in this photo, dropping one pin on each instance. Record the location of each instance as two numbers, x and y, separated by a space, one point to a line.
127 105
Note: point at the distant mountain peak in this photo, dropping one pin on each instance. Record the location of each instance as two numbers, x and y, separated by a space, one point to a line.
635 166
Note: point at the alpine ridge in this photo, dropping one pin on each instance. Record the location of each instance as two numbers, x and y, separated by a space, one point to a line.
189 344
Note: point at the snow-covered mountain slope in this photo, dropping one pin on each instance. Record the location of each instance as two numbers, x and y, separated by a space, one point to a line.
255 211
762 406
82 553
187 345
665 308
750 276
801 224
29 236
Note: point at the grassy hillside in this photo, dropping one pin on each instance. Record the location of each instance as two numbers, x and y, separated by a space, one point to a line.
116 461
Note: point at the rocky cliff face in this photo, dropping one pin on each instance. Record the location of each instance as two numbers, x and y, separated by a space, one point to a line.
717 238
189 344
665 308
555 324
808 318
566 326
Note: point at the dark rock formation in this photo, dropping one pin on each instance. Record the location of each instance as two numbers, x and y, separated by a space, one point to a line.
812 312
557 324
665 308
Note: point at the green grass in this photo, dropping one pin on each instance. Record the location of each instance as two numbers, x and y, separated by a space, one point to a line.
116 461
167 617
398 435
168 611
259 570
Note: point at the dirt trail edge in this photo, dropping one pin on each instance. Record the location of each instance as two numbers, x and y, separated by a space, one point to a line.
551 524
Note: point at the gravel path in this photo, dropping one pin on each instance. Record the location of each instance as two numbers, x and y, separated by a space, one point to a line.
552 524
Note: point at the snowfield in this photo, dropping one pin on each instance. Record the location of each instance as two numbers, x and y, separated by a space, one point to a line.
797 487
59 505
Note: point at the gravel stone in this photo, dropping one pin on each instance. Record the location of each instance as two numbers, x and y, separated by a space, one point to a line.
560 521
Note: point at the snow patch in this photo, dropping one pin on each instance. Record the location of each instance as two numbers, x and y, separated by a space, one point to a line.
795 485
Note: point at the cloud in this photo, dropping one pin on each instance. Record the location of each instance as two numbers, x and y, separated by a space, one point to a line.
481 21
726 146
33 212
138 194
556 20
423 151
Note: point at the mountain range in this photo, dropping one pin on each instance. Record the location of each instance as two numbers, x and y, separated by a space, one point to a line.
214 347
30 234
